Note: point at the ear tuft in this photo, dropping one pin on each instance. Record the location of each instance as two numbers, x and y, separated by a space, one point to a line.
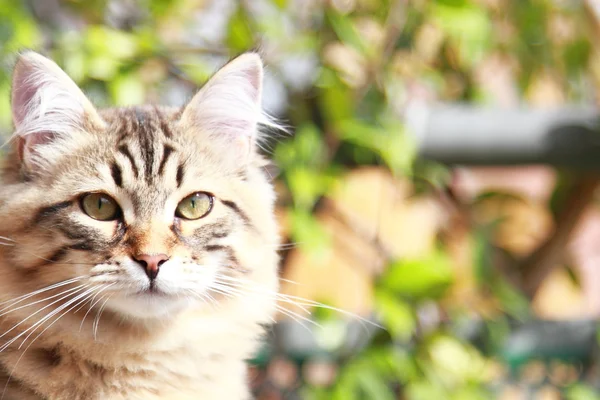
228 107
46 104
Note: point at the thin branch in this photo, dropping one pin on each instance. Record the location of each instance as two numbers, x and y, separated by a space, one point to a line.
536 268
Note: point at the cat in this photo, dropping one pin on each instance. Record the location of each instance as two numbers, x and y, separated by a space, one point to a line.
137 245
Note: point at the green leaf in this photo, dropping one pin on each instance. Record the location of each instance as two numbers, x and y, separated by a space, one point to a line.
18 30
455 362
111 43
308 233
576 56
472 393
280 3
194 68
424 390
428 277
388 140
581 391
160 8
5 110
127 90
306 186
346 390
467 25
306 149
344 29
397 316
335 98
240 36
513 301
373 386
102 67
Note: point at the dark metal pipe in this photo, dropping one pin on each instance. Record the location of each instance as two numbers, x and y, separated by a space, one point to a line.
467 135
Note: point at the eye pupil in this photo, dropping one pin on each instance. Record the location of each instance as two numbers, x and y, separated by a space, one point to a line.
194 206
100 206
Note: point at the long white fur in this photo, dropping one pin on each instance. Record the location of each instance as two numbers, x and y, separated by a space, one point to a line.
230 103
56 105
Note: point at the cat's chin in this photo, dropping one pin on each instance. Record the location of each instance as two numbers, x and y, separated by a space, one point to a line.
147 305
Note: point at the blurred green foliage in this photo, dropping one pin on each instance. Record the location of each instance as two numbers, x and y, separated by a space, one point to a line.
343 74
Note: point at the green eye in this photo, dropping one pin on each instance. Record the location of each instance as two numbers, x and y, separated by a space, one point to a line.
195 206
100 206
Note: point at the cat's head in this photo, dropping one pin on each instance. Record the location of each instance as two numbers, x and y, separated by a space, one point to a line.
153 209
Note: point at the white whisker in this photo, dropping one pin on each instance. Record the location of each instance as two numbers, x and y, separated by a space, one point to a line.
298 318
10 310
300 302
83 295
98 316
44 289
37 312
37 324
93 303
290 281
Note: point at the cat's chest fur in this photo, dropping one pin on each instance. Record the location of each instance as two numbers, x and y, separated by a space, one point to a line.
174 363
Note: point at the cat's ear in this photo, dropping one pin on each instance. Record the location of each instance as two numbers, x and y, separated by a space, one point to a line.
48 110
228 107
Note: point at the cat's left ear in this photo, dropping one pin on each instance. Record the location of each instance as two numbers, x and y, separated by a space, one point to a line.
228 107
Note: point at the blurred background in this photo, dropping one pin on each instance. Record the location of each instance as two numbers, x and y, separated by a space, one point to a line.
484 280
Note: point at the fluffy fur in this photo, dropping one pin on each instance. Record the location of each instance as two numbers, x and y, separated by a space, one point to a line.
79 318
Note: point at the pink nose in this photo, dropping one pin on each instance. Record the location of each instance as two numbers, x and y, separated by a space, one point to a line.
151 263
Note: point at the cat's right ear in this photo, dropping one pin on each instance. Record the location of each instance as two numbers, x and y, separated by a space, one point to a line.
49 111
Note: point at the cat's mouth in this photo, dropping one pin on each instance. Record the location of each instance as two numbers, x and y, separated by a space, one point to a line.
151 291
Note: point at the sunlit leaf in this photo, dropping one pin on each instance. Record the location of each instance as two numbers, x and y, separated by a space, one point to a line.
103 41
513 301
389 141
454 361
344 29
307 148
424 390
17 28
240 35
127 90
397 315
5 111
576 55
280 3
582 392
467 24
308 233
335 98
420 278
373 386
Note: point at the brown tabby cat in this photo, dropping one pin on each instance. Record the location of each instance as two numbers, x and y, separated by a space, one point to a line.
137 245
